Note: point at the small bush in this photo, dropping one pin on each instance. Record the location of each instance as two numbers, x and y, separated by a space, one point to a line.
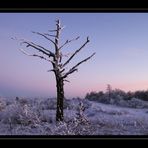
18 113
2 104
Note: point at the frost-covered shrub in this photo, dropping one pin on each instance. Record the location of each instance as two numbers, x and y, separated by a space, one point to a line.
80 119
143 95
11 114
77 125
98 97
50 103
48 116
86 103
132 103
72 128
94 96
75 102
22 101
123 103
120 98
18 113
137 103
2 104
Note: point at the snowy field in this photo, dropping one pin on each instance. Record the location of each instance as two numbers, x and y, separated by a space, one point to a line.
82 117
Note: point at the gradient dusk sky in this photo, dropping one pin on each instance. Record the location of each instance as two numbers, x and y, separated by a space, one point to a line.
120 41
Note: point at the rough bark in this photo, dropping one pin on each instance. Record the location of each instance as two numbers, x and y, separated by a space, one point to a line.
60 98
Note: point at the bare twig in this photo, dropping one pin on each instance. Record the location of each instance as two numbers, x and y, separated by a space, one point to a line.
67 81
39 48
51 70
76 52
35 55
51 53
38 33
68 41
62 70
52 30
49 35
69 72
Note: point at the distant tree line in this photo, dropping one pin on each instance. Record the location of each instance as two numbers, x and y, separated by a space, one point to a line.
116 95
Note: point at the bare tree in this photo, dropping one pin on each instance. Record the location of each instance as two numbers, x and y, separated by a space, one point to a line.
55 58
109 91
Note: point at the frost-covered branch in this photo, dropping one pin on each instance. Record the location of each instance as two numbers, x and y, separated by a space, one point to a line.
45 36
68 41
74 68
76 52
39 48
35 55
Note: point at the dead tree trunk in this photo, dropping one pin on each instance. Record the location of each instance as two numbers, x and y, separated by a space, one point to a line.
55 58
60 98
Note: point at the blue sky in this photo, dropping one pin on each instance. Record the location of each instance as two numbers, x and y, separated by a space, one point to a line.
119 40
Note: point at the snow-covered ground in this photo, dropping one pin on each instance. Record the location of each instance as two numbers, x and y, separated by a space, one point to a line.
113 120
37 117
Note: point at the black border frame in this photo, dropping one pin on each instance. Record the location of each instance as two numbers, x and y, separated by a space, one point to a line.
66 6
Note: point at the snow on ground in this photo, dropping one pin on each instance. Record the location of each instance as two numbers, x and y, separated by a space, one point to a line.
37 117
113 120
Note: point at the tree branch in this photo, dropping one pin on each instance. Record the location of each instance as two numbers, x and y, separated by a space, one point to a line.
52 30
51 53
38 33
68 41
62 70
76 52
74 68
51 70
39 48
67 81
49 35
35 55
69 72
